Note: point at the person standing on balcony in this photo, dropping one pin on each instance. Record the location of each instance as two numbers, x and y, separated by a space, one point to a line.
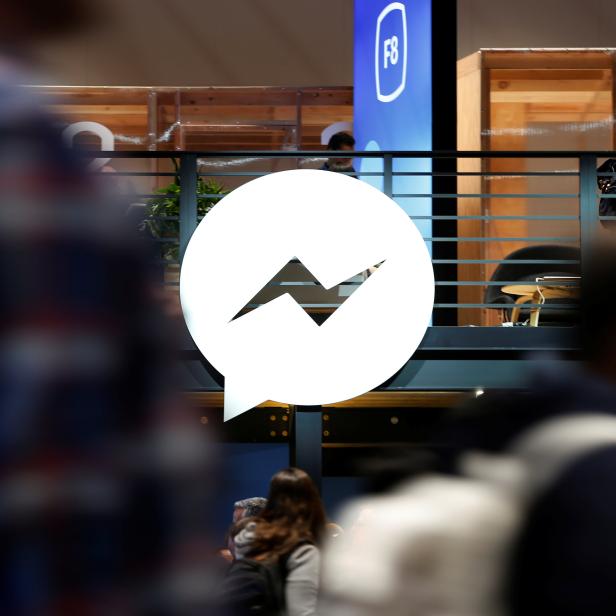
340 142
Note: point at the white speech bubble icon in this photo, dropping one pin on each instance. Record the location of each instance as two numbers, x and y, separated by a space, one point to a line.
337 227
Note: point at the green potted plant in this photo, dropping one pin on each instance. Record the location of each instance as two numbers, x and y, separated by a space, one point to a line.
162 213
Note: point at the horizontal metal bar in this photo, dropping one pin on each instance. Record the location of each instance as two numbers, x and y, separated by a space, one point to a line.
499 338
135 173
451 375
456 305
489 174
501 239
156 196
566 217
177 196
446 374
262 173
309 283
494 217
442 283
215 174
486 196
575 154
504 283
488 338
510 306
305 306
516 261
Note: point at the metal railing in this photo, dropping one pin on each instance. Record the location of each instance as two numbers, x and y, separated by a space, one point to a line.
483 200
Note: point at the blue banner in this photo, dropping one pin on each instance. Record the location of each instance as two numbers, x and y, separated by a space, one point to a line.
393 94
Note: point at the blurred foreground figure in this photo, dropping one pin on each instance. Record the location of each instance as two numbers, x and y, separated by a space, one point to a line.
103 474
523 522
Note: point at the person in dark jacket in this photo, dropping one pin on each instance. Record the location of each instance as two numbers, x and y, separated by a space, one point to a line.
564 560
340 142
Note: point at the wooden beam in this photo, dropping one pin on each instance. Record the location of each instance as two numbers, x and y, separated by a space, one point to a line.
375 399
544 59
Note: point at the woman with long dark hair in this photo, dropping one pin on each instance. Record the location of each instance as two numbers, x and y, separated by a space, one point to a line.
277 553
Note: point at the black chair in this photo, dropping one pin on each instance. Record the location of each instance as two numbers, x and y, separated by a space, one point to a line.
512 271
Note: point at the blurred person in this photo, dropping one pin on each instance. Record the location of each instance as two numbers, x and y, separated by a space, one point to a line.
245 508
248 508
517 518
102 471
103 499
278 559
340 142
333 530
122 187
104 503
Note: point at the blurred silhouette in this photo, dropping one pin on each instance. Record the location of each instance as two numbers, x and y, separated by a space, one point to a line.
242 509
103 477
248 508
517 516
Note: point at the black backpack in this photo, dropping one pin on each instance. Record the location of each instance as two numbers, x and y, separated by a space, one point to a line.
254 587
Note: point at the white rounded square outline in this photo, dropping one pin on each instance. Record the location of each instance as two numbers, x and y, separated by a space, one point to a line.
387 98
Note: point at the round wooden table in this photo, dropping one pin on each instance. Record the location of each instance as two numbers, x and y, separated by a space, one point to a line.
537 293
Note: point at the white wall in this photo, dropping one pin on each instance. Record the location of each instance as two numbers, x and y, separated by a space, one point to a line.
535 23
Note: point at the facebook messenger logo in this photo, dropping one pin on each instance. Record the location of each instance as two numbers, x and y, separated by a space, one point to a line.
336 226
390 52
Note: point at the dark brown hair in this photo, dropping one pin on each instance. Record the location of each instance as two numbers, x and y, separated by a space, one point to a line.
293 515
340 139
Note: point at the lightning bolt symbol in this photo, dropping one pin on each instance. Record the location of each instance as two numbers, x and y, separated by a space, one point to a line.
319 312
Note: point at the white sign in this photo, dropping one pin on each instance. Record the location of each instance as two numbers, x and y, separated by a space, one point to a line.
336 226
387 51
100 130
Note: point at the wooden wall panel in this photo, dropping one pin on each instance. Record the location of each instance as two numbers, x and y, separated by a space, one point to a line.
470 106
529 100
214 118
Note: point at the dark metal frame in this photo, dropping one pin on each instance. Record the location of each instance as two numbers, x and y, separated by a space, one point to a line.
444 56
449 357
444 238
